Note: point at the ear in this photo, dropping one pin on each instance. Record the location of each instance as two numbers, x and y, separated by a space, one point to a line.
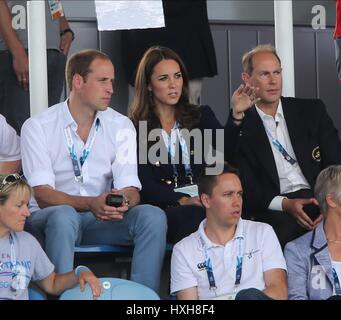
205 199
330 201
246 78
77 81
149 88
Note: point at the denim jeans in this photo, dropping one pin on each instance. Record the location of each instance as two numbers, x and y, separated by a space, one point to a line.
60 228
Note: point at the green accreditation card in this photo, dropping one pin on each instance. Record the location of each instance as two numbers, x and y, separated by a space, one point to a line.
56 9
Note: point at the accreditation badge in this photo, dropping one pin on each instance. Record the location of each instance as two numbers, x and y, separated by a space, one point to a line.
56 9
228 296
191 190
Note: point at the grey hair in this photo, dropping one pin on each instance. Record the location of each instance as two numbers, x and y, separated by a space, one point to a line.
328 182
248 56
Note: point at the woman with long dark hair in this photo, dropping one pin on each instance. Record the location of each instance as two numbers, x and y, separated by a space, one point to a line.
185 135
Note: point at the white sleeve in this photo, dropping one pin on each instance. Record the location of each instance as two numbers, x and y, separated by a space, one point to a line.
37 165
10 142
272 254
182 276
124 167
276 203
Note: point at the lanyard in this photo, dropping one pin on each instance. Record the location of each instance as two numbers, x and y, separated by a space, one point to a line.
336 282
171 142
13 258
14 264
239 264
77 169
280 148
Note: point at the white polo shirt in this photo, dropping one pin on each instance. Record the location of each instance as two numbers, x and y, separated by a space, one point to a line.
261 252
111 161
9 142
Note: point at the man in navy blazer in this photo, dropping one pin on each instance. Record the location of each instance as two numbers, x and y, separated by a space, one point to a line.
283 145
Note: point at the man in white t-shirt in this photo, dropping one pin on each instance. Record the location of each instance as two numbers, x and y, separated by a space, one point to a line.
9 149
228 257
74 154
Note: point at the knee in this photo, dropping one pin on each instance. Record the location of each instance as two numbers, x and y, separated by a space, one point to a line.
64 217
152 217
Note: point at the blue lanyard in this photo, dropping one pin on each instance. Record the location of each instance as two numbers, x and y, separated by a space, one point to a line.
239 265
185 154
14 264
280 148
336 282
13 258
86 151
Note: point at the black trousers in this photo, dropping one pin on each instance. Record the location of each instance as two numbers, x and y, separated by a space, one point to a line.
285 226
182 221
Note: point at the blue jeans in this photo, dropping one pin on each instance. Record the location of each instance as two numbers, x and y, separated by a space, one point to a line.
144 226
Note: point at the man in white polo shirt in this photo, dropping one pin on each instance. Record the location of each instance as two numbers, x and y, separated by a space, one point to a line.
73 154
9 148
228 257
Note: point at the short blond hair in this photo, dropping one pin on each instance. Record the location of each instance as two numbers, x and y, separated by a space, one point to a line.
248 56
18 184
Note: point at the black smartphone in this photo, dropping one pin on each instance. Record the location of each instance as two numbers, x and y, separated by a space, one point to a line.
312 210
114 200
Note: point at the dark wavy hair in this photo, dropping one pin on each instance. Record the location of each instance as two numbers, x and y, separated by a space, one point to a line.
143 107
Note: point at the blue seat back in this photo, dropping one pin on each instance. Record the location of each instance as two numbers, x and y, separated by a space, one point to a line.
113 289
34 294
103 248
111 248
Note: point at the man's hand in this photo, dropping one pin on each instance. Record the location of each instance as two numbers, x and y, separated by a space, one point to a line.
65 42
242 99
20 66
104 212
190 200
295 208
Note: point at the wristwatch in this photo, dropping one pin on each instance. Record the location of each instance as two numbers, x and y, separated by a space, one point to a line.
235 119
126 201
62 32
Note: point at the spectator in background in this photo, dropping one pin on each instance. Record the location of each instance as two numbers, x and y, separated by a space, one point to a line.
337 38
314 260
187 32
228 258
14 67
21 257
9 149
74 154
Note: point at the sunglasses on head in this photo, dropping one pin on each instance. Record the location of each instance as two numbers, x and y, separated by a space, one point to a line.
9 179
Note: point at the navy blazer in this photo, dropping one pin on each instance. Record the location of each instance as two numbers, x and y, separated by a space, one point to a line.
314 139
154 176
310 275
